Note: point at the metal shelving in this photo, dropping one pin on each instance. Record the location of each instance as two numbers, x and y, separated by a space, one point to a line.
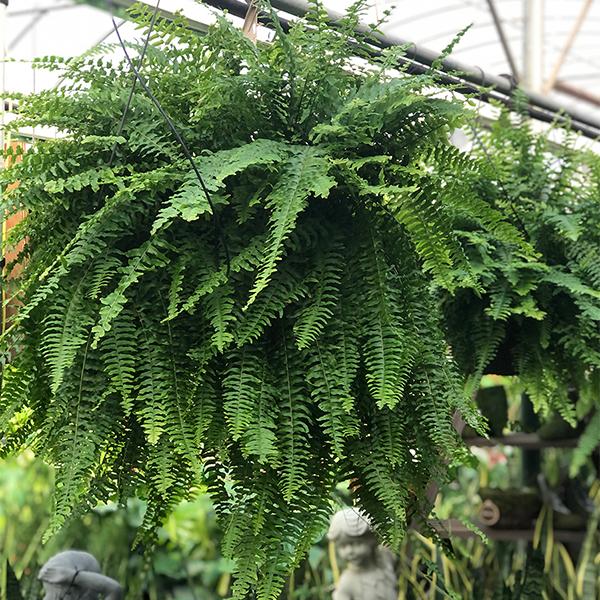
453 528
527 441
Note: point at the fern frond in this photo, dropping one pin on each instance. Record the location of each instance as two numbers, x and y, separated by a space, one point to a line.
389 434
176 287
16 390
387 352
293 423
570 282
333 398
102 274
486 338
204 408
419 209
78 443
284 289
500 302
219 311
66 331
152 395
588 442
260 438
190 201
211 278
324 284
95 235
148 257
119 355
243 386
305 174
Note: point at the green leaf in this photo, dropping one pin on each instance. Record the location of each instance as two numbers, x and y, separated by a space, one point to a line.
190 201
304 176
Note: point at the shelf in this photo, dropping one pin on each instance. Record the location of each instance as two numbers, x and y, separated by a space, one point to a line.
453 528
530 441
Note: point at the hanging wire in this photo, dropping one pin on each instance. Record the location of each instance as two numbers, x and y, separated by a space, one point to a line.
134 83
178 136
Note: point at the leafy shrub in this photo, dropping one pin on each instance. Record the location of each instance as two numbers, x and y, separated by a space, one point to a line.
269 326
535 316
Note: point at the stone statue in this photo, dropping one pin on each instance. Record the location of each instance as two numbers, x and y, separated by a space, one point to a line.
369 573
75 575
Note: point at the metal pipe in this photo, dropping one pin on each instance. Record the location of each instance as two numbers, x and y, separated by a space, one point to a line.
501 85
503 40
418 59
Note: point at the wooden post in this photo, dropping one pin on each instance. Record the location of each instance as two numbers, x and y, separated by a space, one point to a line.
250 25
10 305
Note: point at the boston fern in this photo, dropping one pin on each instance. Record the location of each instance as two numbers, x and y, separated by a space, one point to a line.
269 330
538 316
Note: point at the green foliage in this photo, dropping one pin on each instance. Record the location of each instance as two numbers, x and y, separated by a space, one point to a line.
290 340
273 349
535 313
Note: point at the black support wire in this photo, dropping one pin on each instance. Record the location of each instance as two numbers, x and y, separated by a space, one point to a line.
178 136
134 82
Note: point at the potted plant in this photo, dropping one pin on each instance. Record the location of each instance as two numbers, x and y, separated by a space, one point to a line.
536 315
246 304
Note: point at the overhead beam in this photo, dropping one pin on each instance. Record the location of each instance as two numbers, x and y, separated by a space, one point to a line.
503 40
551 81
33 11
576 92
17 39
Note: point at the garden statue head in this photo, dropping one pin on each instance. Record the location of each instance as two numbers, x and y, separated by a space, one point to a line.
355 542
370 568
75 575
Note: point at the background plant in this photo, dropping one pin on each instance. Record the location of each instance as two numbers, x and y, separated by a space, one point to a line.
187 564
535 318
